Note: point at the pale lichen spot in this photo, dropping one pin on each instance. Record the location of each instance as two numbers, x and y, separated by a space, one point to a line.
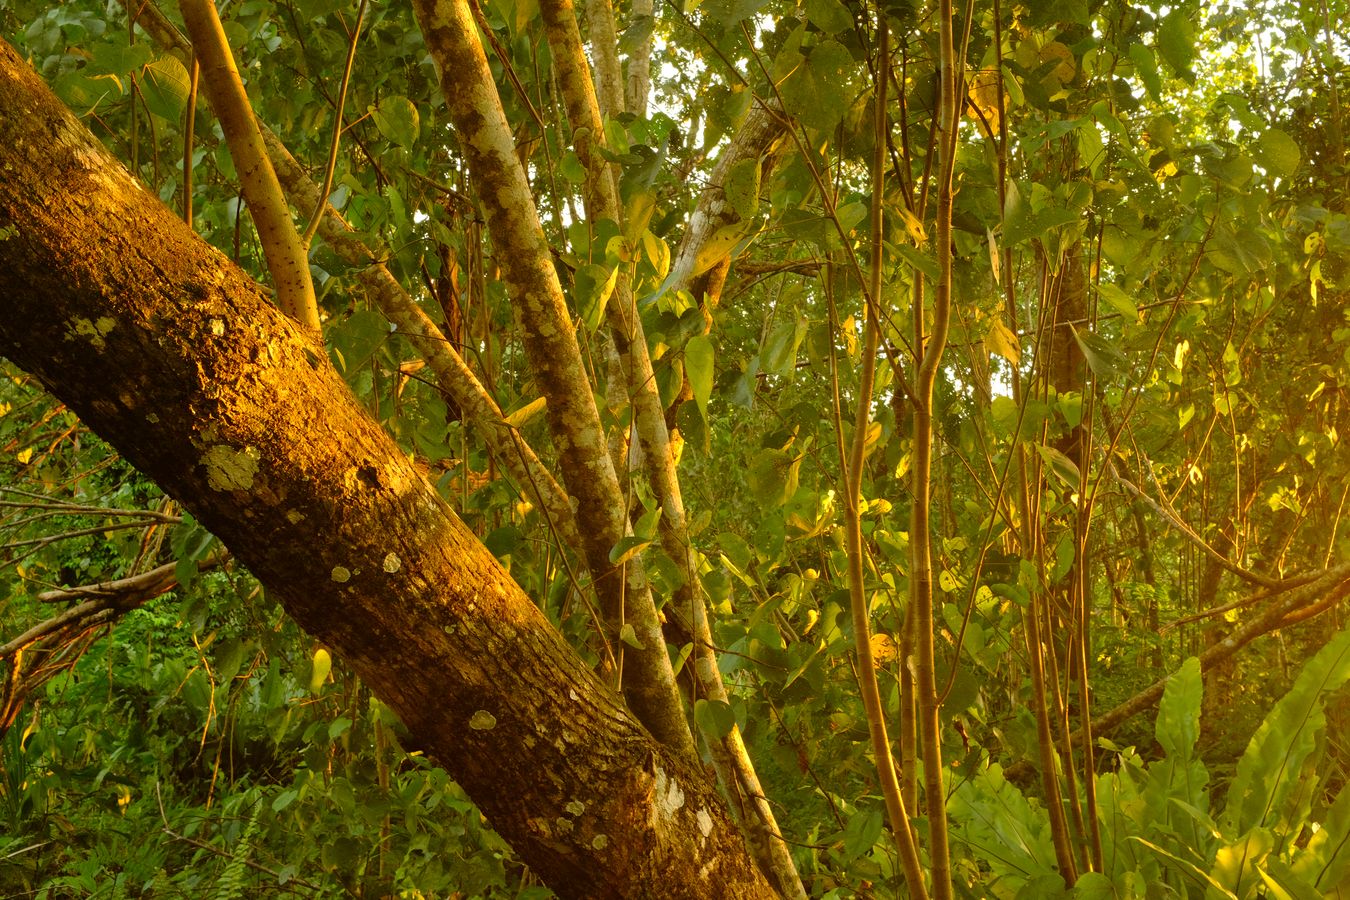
563 824
230 469
600 842
705 822
392 563
218 327
341 574
152 418
294 516
482 721
575 807
669 795
573 695
93 331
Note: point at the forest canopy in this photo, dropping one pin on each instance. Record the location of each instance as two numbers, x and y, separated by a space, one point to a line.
507 448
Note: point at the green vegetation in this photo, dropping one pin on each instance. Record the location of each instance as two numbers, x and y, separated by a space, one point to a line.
1101 564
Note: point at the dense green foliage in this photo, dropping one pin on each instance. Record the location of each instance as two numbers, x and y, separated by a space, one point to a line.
1137 425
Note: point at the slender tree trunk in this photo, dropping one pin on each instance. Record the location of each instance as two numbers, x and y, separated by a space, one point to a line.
174 356
555 360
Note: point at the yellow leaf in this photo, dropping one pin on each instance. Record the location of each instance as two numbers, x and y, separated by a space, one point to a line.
884 649
984 97
24 456
520 417
1003 342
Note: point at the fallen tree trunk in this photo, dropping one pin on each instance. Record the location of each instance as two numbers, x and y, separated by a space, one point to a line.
175 357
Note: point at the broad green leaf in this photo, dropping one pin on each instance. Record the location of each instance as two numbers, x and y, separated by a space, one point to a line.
861 832
772 476
723 241
728 12
636 34
165 86
1178 723
714 717
357 340
627 548
593 286
1146 67
1187 868
119 58
397 119
1118 300
1235 865
923 262
572 168
1102 357
1273 764
1278 153
1325 861
1093 886
778 355
817 90
1176 42
1060 466
628 635
742 187
830 16
698 368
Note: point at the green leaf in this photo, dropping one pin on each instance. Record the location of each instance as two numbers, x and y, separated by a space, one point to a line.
1272 766
1235 864
923 262
1146 67
778 355
119 59
1118 300
593 286
742 187
628 635
1187 868
698 368
1278 153
772 476
817 90
572 169
1102 357
165 86
1060 466
715 718
1176 42
1325 862
397 119
627 548
636 34
1178 723
861 833
338 727
830 16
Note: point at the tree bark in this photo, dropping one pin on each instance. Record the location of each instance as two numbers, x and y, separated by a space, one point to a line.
550 344
172 355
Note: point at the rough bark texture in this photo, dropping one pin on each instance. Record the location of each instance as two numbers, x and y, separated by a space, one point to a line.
174 356
555 360
453 374
687 611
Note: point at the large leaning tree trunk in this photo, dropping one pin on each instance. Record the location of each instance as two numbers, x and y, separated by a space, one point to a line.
174 356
